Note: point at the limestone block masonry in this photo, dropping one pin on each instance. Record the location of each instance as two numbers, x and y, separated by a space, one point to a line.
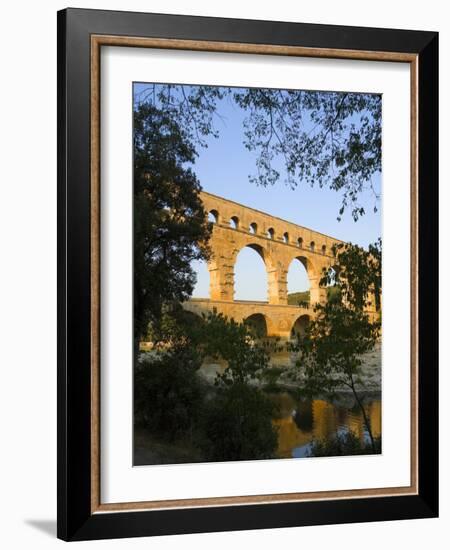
278 242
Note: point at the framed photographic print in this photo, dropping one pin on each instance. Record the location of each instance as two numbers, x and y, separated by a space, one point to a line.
247 274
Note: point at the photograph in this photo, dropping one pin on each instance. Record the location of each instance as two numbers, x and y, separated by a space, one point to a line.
257 273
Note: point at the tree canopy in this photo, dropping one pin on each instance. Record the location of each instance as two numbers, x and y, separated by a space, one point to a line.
332 349
356 273
170 224
329 139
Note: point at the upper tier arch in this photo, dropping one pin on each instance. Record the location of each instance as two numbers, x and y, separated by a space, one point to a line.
277 250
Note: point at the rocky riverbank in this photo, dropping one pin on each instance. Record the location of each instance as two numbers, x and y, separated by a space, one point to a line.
371 371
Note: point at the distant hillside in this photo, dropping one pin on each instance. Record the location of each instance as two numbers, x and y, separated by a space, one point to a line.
296 298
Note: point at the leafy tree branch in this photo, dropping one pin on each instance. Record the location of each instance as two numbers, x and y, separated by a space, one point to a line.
325 139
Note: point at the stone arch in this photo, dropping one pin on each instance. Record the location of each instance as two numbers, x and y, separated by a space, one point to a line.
317 293
286 237
257 325
271 233
213 216
234 222
298 283
308 264
275 282
299 326
263 255
262 251
253 228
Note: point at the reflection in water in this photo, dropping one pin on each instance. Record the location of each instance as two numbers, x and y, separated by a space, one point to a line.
300 422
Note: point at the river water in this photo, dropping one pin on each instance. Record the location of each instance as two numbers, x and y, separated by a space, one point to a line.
300 422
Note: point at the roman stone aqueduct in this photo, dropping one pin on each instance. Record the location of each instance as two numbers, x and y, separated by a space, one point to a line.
278 242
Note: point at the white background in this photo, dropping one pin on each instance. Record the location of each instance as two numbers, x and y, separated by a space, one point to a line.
28 274
122 483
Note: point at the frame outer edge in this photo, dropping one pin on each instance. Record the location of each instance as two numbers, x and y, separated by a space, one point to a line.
61 279
428 213
74 520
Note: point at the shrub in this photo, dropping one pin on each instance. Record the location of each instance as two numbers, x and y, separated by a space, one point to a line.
168 393
238 425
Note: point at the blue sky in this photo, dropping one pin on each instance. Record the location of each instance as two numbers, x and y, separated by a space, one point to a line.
223 169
